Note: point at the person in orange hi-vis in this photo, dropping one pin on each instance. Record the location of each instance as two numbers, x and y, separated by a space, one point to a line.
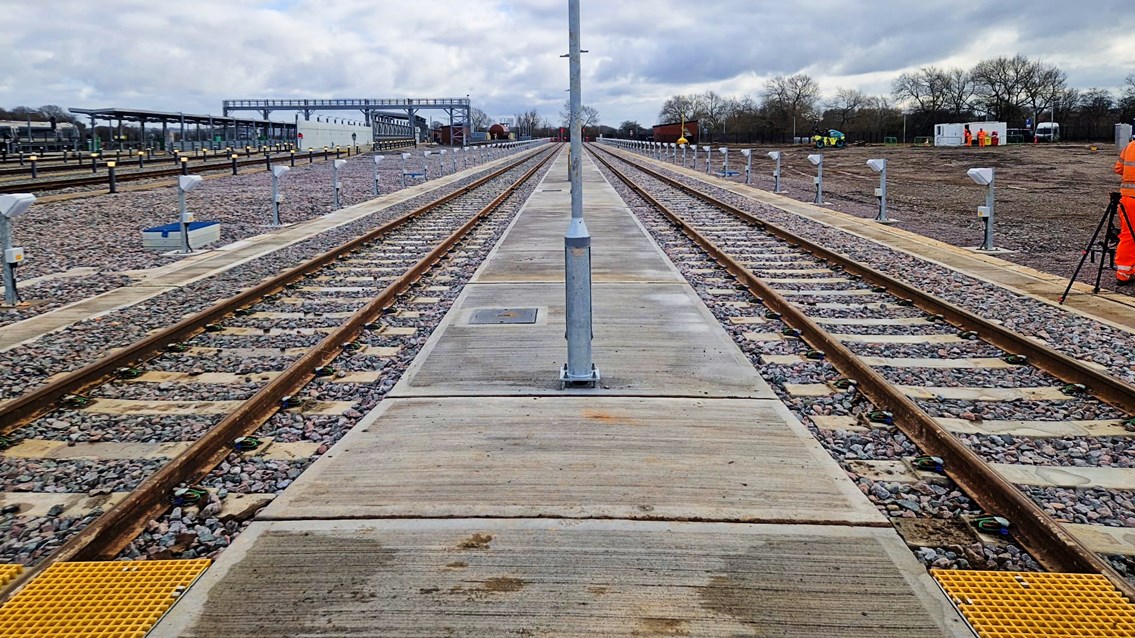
1125 252
968 136
981 137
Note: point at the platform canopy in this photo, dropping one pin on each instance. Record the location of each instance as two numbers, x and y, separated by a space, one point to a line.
169 117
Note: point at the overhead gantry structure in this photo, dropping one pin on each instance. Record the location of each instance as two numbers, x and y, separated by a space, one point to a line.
375 110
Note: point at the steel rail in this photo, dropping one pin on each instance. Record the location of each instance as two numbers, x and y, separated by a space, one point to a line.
135 175
112 531
1101 384
19 411
1053 546
55 163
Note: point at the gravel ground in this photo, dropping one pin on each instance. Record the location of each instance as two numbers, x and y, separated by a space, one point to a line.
205 531
1072 334
173 535
25 367
922 499
58 235
1039 189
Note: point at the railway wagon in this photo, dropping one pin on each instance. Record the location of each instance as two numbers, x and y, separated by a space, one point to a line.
671 132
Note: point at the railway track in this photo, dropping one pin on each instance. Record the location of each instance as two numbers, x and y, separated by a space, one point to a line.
916 358
127 173
264 365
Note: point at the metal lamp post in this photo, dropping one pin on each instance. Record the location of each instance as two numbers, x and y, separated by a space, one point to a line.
695 147
775 156
880 167
724 162
707 158
985 177
11 207
579 368
185 184
277 196
817 160
374 171
336 185
684 147
748 153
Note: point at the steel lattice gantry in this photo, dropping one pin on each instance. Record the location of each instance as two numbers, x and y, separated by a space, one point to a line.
371 108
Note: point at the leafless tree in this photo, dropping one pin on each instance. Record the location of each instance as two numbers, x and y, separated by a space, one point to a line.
928 87
846 105
1001 85
675 108
481 120
527 122
959 92
791 98
710 110
1043 84
588 116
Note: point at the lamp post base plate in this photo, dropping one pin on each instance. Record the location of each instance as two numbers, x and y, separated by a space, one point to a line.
591 380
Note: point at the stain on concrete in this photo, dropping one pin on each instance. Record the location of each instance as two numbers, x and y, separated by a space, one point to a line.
477 541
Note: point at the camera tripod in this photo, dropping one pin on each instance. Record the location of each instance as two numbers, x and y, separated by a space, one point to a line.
1105 245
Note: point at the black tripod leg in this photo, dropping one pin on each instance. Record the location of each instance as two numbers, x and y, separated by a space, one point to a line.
1104 257
1084 253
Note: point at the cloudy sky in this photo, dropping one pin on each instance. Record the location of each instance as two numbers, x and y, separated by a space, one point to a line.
188 55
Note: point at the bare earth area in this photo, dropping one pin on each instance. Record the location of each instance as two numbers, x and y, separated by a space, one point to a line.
1049 197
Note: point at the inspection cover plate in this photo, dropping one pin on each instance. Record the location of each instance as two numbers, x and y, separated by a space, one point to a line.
503 315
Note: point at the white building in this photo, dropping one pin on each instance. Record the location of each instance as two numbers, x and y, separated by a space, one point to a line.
954 134
315 134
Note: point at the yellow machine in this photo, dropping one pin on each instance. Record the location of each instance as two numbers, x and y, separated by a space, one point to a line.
833 138
682 136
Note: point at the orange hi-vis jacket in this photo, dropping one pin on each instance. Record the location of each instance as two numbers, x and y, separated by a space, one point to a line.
1125 167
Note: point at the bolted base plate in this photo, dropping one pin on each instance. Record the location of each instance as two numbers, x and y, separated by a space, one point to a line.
577 382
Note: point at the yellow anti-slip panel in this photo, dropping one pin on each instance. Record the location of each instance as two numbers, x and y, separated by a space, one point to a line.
1018 604
117 599
8 572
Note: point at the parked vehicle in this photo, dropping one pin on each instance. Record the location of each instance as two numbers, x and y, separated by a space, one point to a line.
1019 136
1048 132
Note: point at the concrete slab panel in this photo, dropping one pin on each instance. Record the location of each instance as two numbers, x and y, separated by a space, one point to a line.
562 578
533 248
1111 478
650 340
635 458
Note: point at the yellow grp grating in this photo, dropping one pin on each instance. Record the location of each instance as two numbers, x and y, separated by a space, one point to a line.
1017 604
9 572
116 599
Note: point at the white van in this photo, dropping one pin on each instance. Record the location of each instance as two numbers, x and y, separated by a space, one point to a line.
1048 132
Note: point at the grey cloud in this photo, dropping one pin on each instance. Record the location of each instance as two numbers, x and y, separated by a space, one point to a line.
190 56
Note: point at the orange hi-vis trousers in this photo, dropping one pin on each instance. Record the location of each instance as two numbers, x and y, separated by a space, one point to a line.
1125 252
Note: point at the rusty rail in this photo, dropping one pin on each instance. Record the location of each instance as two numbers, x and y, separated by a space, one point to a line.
28 406
1047 540
129 175
111 532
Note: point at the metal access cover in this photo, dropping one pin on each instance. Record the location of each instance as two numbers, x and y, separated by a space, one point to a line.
112 598
1004 604
487 316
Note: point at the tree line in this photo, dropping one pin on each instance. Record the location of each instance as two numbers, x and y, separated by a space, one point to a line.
1017 90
